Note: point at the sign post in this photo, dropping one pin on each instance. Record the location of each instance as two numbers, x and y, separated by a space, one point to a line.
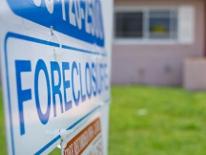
55 58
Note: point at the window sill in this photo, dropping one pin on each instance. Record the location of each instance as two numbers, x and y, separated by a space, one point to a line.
146 42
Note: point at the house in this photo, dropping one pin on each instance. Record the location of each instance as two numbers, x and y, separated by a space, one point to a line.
154 38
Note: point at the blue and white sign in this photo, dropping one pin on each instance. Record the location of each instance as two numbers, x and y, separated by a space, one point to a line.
55 59
81 19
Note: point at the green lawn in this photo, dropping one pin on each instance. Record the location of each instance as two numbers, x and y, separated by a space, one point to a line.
157 121
2 128
152 121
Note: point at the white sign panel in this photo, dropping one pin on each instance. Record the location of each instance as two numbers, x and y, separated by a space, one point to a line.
55 58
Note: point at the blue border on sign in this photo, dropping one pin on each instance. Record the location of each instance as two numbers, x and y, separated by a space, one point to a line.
48 43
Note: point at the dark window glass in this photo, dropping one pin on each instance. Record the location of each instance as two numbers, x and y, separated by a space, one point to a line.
129 25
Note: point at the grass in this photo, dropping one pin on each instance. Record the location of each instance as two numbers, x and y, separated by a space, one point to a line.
151 121
2 128
157 121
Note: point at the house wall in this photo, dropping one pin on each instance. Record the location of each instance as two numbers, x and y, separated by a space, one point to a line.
157 64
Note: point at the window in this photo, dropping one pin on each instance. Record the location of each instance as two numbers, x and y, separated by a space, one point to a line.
163 24
146 24
129 24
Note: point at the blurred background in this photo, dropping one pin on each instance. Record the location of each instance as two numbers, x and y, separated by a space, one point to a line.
158 42
159 78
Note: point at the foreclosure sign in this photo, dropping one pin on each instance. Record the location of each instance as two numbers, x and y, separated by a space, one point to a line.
55 66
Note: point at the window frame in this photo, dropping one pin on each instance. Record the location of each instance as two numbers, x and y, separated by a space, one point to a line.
146 11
